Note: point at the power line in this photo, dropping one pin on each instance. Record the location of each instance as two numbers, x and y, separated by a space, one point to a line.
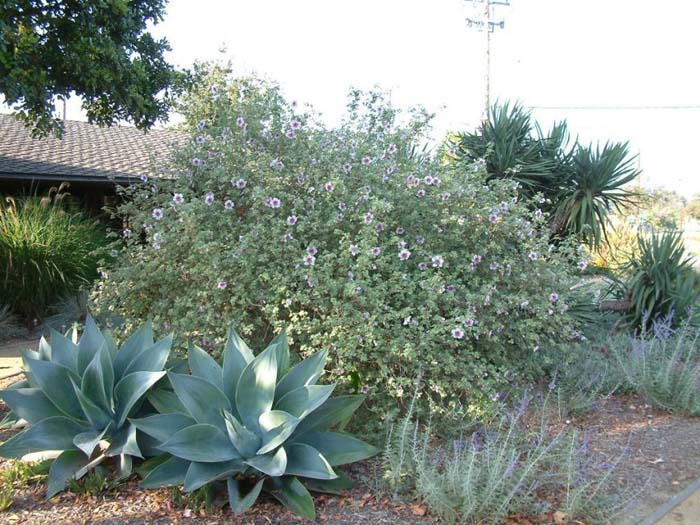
618 108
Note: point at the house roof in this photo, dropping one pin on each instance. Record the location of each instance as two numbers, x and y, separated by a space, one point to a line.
86 153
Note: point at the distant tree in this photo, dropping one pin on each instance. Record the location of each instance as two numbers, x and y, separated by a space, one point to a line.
692 209
97 49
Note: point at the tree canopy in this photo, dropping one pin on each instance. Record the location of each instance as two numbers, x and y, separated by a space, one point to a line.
99 50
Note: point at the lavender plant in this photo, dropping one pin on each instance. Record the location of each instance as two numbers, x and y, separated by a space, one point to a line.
353 237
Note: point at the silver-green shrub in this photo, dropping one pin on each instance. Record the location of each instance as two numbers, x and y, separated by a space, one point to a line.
255 424
353 237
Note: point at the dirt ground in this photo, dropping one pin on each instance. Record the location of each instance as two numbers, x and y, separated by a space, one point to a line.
662 457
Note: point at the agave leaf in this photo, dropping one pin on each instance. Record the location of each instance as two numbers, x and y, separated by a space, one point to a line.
240 503
97 383
203 401
152 359
289 491
63 351
87 441
199 474
53 433
304 373
124 441
165 401
112 347
44 349
237 355
97 416
162 426
276 427
130 389
171 472
64 468
304 460
140 340
56 382
281 344
256 388
303 400
90 342
329 486
338 448
204 366
30 404
246 442
272 464
201 442
334 411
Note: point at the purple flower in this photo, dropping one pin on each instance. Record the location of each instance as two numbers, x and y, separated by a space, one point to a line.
156 246
309 260
144 178
240 184
374 252
532 256
126 232
296 124
290 134
200 125
157 214
178 198
538 213
445 196
494 266
400 230
347 167
274 202
214 89
365 389
554 297
437 261
221 285
311 250
428 180
379 227
228 204
354 250
457 333
328 186
209 199
287 237
291 220
468 323
366 161
420 194
391 149
452 152
582 265
493 217
240 122
277 163
196 162
422 266
420 239
503 207
476 259
199 139
368 218
404 254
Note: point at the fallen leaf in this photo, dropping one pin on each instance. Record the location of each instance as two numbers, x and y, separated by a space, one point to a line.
418 510
559 517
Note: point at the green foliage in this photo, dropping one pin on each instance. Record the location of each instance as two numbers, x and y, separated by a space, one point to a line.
100 51
19 474
47 250
9 324
661 281
594 191
354 238
663 366
256 424
580 184
78 396
503 469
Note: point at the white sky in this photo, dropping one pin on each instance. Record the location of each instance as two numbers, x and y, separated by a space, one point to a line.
551 53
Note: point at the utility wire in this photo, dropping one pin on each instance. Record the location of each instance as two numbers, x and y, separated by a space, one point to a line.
616 108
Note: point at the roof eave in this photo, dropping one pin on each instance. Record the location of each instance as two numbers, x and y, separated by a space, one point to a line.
89 179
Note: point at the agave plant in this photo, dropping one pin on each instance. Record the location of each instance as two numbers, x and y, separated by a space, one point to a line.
78 396
254 424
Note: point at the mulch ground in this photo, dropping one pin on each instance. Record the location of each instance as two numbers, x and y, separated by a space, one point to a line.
662 456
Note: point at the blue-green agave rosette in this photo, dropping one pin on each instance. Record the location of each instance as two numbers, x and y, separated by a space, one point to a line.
255 424
78 396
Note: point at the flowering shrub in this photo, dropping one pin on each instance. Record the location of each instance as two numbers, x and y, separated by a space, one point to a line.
351 237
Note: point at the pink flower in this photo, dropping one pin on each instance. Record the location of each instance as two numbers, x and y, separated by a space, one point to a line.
554 297
157 214
196 162
221 285
309 260
457 333
437 261
532 256
366 161
374 252
368 218
391 149
347 167
240 184
291 220
240 122
328 186
209 199
404 254
178 198
274 202
296 124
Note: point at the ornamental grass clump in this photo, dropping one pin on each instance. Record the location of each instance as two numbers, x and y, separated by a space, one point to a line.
354 238
254 424
77 399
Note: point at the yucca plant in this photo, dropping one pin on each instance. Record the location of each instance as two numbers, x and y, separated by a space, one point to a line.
78 396
662 281
594 189
254 425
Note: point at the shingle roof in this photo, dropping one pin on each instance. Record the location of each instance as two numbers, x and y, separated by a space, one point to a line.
85 153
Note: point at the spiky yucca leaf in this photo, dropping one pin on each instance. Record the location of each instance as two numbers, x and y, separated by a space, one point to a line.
255 424
78 396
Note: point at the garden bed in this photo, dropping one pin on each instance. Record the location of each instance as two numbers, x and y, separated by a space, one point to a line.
662 456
